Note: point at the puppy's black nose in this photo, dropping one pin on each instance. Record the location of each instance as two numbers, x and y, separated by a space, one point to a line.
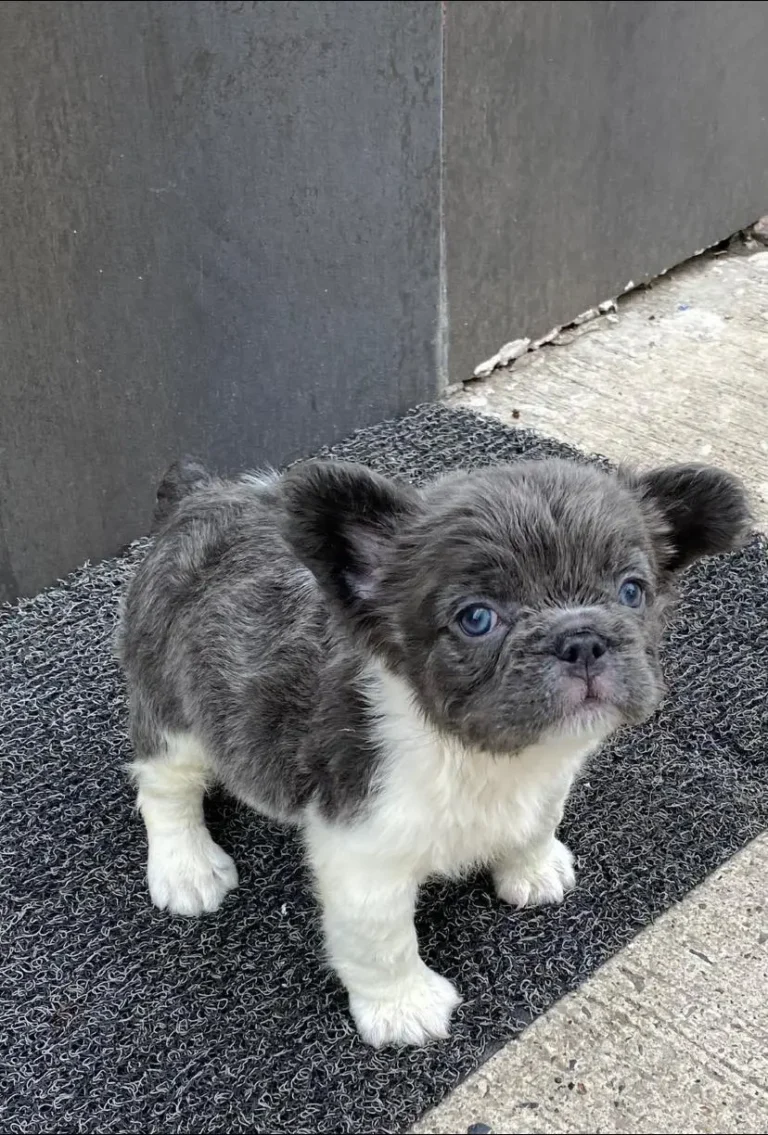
580 648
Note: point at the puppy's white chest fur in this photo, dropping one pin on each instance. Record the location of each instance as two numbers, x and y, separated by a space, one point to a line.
443 807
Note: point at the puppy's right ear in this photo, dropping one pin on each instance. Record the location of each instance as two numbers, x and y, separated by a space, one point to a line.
340 520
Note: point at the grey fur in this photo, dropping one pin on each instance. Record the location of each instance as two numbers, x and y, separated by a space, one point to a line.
250 621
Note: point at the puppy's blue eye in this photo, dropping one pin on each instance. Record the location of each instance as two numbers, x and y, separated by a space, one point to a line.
631 593
477 620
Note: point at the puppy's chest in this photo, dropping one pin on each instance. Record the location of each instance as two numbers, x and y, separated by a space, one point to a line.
449 808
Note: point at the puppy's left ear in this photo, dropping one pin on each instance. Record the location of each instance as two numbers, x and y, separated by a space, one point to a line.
705 509
340 519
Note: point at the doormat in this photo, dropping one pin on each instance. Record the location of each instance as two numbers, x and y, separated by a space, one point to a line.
117 1018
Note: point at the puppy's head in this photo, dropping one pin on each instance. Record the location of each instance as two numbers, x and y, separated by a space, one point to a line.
520 602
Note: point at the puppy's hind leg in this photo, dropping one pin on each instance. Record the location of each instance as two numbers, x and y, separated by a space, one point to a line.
187 872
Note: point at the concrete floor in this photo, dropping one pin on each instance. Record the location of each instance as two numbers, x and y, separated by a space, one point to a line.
672 1034
679 372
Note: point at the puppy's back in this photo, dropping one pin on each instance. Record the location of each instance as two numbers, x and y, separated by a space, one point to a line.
218 575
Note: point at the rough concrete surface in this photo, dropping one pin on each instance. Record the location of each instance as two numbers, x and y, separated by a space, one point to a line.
672 1034
679 372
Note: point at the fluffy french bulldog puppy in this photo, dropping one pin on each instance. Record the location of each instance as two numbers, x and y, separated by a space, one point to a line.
414 677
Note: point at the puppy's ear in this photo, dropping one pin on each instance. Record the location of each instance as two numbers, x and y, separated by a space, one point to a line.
340 520
183 478
706 511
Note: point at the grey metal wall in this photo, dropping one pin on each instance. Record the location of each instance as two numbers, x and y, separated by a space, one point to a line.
219 226
590 144
243 230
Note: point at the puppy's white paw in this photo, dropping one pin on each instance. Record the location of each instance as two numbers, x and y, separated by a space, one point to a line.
413 1012
534 882
189 874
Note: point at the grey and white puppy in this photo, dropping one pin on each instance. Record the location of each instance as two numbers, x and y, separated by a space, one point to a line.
414 677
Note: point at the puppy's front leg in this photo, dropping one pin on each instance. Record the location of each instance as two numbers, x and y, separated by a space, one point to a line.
368 904
539 869
534 875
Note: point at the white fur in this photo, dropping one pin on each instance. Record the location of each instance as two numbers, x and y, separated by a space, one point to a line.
538 875
260 478
187 872
439 808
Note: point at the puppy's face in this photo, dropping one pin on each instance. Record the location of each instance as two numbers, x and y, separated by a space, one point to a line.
528 602
521 602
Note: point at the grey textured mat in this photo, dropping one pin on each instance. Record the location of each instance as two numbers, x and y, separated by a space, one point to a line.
115 1018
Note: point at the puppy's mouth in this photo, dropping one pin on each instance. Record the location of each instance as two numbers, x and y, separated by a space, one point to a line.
590 701
588 692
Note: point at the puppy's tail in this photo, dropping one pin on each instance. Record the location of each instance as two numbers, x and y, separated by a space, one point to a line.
183 478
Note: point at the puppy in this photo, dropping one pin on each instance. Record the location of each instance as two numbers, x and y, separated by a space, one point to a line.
413 677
